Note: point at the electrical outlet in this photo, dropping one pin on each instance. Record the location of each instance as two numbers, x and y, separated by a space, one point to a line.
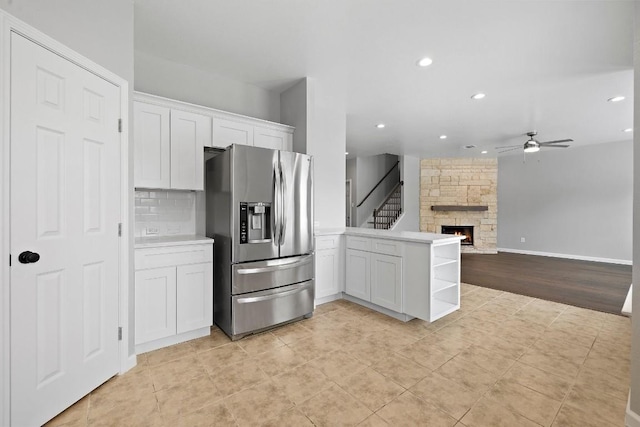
522 240
152 231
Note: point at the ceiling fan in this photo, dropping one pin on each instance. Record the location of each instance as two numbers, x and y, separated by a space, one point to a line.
532 145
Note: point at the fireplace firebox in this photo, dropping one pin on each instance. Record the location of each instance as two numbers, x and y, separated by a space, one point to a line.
460 230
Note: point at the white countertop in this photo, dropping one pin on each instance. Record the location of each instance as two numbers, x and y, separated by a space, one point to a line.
407 236
328 231
158 241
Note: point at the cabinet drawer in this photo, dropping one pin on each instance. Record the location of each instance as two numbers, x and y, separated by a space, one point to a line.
328 242
388 247
173 255
360 243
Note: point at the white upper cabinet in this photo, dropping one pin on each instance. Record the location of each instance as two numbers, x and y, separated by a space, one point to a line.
152 152
189 134
272 138
169 147
169 138
227 132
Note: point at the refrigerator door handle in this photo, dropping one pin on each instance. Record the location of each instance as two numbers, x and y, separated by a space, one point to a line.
275 215
283 225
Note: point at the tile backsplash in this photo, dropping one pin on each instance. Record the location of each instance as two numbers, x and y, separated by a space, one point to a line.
164 213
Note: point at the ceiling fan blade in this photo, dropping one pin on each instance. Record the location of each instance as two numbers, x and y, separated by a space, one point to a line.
508 146
510 149
556 141
555 146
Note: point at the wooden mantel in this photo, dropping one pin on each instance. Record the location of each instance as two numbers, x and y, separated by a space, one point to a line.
459 208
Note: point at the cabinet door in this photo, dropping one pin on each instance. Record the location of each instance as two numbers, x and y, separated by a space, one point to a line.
155 304
327 272
386 281
189 134
271 138
358 274
195 296
152 148
227 132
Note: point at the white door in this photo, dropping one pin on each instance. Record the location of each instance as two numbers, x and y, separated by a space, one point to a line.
189 134
65 203
152 146
327 272
194 291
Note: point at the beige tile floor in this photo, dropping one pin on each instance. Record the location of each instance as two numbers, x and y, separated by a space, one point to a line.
501 360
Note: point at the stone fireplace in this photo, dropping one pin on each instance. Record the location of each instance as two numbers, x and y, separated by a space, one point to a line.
463 193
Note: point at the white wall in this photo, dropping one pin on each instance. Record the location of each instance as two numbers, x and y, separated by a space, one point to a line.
369 171
100 30
410 175
161 77
293 112
325 140
575 202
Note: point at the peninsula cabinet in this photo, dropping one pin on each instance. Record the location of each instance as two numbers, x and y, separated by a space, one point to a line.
173 294
408 274
374 271
169 147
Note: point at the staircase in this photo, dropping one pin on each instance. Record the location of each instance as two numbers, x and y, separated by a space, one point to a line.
389 211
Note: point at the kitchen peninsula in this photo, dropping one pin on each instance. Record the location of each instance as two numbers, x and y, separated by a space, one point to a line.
400 273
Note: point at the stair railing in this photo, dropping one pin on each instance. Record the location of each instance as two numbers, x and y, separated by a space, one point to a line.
384 216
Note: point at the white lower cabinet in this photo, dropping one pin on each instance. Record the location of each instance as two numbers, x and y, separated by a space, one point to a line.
194 293
155 304
386 281
358 283
175 300
329 268
410 278
374 277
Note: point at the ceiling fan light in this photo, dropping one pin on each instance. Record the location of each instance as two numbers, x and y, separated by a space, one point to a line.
531 148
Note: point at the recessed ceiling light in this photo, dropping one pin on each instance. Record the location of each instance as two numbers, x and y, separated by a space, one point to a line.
425 62
478 96
469 146
443 136
380 125
484 152
346 153
616 99
628 130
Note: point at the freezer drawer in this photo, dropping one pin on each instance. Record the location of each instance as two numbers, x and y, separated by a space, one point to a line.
261 275
260 310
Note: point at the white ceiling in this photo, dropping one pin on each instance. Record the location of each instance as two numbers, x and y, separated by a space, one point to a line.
544 65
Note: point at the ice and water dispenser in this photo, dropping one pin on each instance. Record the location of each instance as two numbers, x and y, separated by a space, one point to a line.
255 222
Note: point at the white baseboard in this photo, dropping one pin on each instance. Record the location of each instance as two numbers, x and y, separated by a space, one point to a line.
172 340
326 299
631 419
568 256
131 363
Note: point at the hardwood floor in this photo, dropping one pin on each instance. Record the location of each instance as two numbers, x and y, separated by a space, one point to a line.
593 285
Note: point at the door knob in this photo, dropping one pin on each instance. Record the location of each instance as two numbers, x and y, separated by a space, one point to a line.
28 257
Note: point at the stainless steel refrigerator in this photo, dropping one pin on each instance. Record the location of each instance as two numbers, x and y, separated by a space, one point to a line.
260 212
